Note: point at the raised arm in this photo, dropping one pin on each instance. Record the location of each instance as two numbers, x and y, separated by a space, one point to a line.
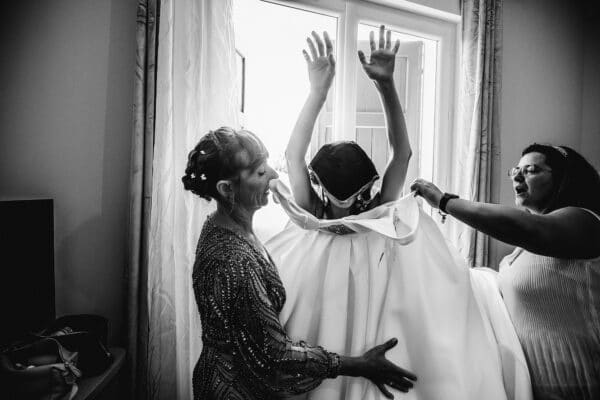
380 69
565 233
321 70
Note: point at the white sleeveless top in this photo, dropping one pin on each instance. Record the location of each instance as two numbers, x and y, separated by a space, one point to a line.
554 305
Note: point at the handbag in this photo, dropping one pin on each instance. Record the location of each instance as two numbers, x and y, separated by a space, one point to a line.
42 370
85 334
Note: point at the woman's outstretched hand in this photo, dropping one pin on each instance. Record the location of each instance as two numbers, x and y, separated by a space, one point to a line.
382 372
428 191
321 63
380 67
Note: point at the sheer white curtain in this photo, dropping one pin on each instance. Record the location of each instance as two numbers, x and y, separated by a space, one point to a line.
195 92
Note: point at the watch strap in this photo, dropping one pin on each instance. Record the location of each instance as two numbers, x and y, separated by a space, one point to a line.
444 201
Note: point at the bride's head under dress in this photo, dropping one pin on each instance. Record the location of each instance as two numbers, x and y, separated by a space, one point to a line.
343 175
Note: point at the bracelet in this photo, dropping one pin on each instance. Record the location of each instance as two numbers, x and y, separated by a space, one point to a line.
334 366
443 203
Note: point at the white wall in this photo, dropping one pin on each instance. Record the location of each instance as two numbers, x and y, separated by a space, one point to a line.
65 110
542 86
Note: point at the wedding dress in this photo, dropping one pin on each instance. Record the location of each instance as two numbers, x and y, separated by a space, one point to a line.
356 282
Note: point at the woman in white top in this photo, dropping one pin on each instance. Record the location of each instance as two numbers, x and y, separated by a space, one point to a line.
551 282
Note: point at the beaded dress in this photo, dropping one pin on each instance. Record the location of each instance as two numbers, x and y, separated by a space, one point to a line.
246 353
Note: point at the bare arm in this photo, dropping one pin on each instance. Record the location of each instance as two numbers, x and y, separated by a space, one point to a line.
569 232
380 68
321 70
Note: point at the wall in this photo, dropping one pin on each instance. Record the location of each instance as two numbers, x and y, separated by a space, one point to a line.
65 112
542 86
590 120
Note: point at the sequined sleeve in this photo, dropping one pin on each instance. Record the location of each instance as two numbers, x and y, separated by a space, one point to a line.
285 367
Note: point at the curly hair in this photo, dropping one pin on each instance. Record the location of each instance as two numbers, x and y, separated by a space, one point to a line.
577 182
221 154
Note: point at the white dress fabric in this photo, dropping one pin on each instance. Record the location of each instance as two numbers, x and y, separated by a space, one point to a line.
356 282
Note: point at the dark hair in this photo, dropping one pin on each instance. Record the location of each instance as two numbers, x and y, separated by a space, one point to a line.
343 168
221 154
576 181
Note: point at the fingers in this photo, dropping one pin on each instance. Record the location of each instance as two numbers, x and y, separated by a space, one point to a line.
331 60
416 186
389 344
388 40
408 375
372 41
400 374
306 56
361 57
404 387
311 47
396 46
381 37
320 45
328 44
384 390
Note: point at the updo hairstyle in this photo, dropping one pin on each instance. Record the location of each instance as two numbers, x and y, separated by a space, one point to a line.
576 181
221 154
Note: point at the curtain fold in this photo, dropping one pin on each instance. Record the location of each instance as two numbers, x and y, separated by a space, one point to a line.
477 145
140 194
196 92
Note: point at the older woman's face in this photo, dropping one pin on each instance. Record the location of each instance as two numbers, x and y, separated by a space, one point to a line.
533 185
253 189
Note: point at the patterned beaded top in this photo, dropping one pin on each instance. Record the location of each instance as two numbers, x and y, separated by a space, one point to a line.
246 353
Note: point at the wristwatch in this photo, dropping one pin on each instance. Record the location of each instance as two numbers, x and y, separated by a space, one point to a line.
444 201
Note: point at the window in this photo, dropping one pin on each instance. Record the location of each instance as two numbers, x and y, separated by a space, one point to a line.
276 82
271 35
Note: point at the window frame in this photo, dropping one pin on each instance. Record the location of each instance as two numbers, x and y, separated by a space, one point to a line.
406 17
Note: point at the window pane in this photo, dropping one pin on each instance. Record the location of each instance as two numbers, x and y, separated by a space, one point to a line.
270 38
414 77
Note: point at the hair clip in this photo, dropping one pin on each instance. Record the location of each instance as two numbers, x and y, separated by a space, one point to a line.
561 151
202 152
203 177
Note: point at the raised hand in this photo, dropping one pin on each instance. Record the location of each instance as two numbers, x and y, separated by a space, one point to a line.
380 67
383 372
321 66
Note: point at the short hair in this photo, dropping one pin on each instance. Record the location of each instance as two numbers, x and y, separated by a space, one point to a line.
221 154
576 181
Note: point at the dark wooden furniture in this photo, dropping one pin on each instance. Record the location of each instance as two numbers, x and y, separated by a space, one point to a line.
108 385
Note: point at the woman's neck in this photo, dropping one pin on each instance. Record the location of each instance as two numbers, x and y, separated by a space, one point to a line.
338 212
237 219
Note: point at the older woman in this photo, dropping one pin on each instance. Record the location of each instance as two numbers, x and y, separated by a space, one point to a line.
246 353
551 282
